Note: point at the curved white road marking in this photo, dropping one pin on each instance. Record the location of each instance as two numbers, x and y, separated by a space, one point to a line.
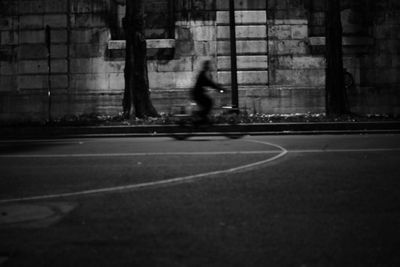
344 150
96 155
254 152
282 152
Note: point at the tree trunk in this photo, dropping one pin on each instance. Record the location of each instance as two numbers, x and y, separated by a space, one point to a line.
137 93
336 98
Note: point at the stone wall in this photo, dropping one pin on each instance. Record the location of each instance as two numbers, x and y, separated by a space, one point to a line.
379 68
81 81
276 71
280 55
294 80
371 51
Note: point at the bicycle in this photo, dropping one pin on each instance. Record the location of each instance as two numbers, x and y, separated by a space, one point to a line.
189 121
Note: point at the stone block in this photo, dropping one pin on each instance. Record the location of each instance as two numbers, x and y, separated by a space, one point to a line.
59 66
117 81
59 6
318 18
244 77
31 22
87 50
152 65
8 83
288 22
198 62
93 36
171 80
88 20
32 67
288 47
9 7
241 5
31 7
59 36
32 51
183 33
32 37
81 35
243 47
98 65
7 68
164 80
81 65
387 76
383 61
244 62
203 33
176 65
116 44
243 17
300 62
213 48
55 20
59 51
39 51
9 38
389 46
396 62
59 81
311 78
91 82
185 79
32 81
184 48
204 48
284 100
119 66
317 41
8 23
299 32
368 75
7 53
81 6
357 41
280 32
248 31
160 43
27 82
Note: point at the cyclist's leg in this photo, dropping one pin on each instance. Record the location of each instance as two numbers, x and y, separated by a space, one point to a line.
205 106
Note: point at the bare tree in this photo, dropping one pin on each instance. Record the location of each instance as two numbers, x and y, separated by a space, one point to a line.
336 98
137 93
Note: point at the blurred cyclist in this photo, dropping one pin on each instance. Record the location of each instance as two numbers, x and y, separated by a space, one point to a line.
198 93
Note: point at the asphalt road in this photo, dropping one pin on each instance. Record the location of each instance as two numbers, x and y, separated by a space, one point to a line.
211 201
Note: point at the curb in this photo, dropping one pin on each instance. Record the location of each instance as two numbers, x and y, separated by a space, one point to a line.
220 129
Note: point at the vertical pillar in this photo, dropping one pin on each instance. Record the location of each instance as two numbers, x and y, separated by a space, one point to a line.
234 82
48 45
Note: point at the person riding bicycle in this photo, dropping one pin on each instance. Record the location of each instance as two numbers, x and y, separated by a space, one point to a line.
198 92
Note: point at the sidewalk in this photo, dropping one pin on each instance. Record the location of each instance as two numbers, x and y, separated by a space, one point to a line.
11 132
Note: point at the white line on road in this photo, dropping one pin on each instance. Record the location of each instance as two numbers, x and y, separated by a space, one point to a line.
282 152
137 154
344 150
88 155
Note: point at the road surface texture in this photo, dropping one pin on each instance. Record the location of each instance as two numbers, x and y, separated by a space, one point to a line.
210 201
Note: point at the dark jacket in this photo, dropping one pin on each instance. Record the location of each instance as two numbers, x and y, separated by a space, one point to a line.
203 81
